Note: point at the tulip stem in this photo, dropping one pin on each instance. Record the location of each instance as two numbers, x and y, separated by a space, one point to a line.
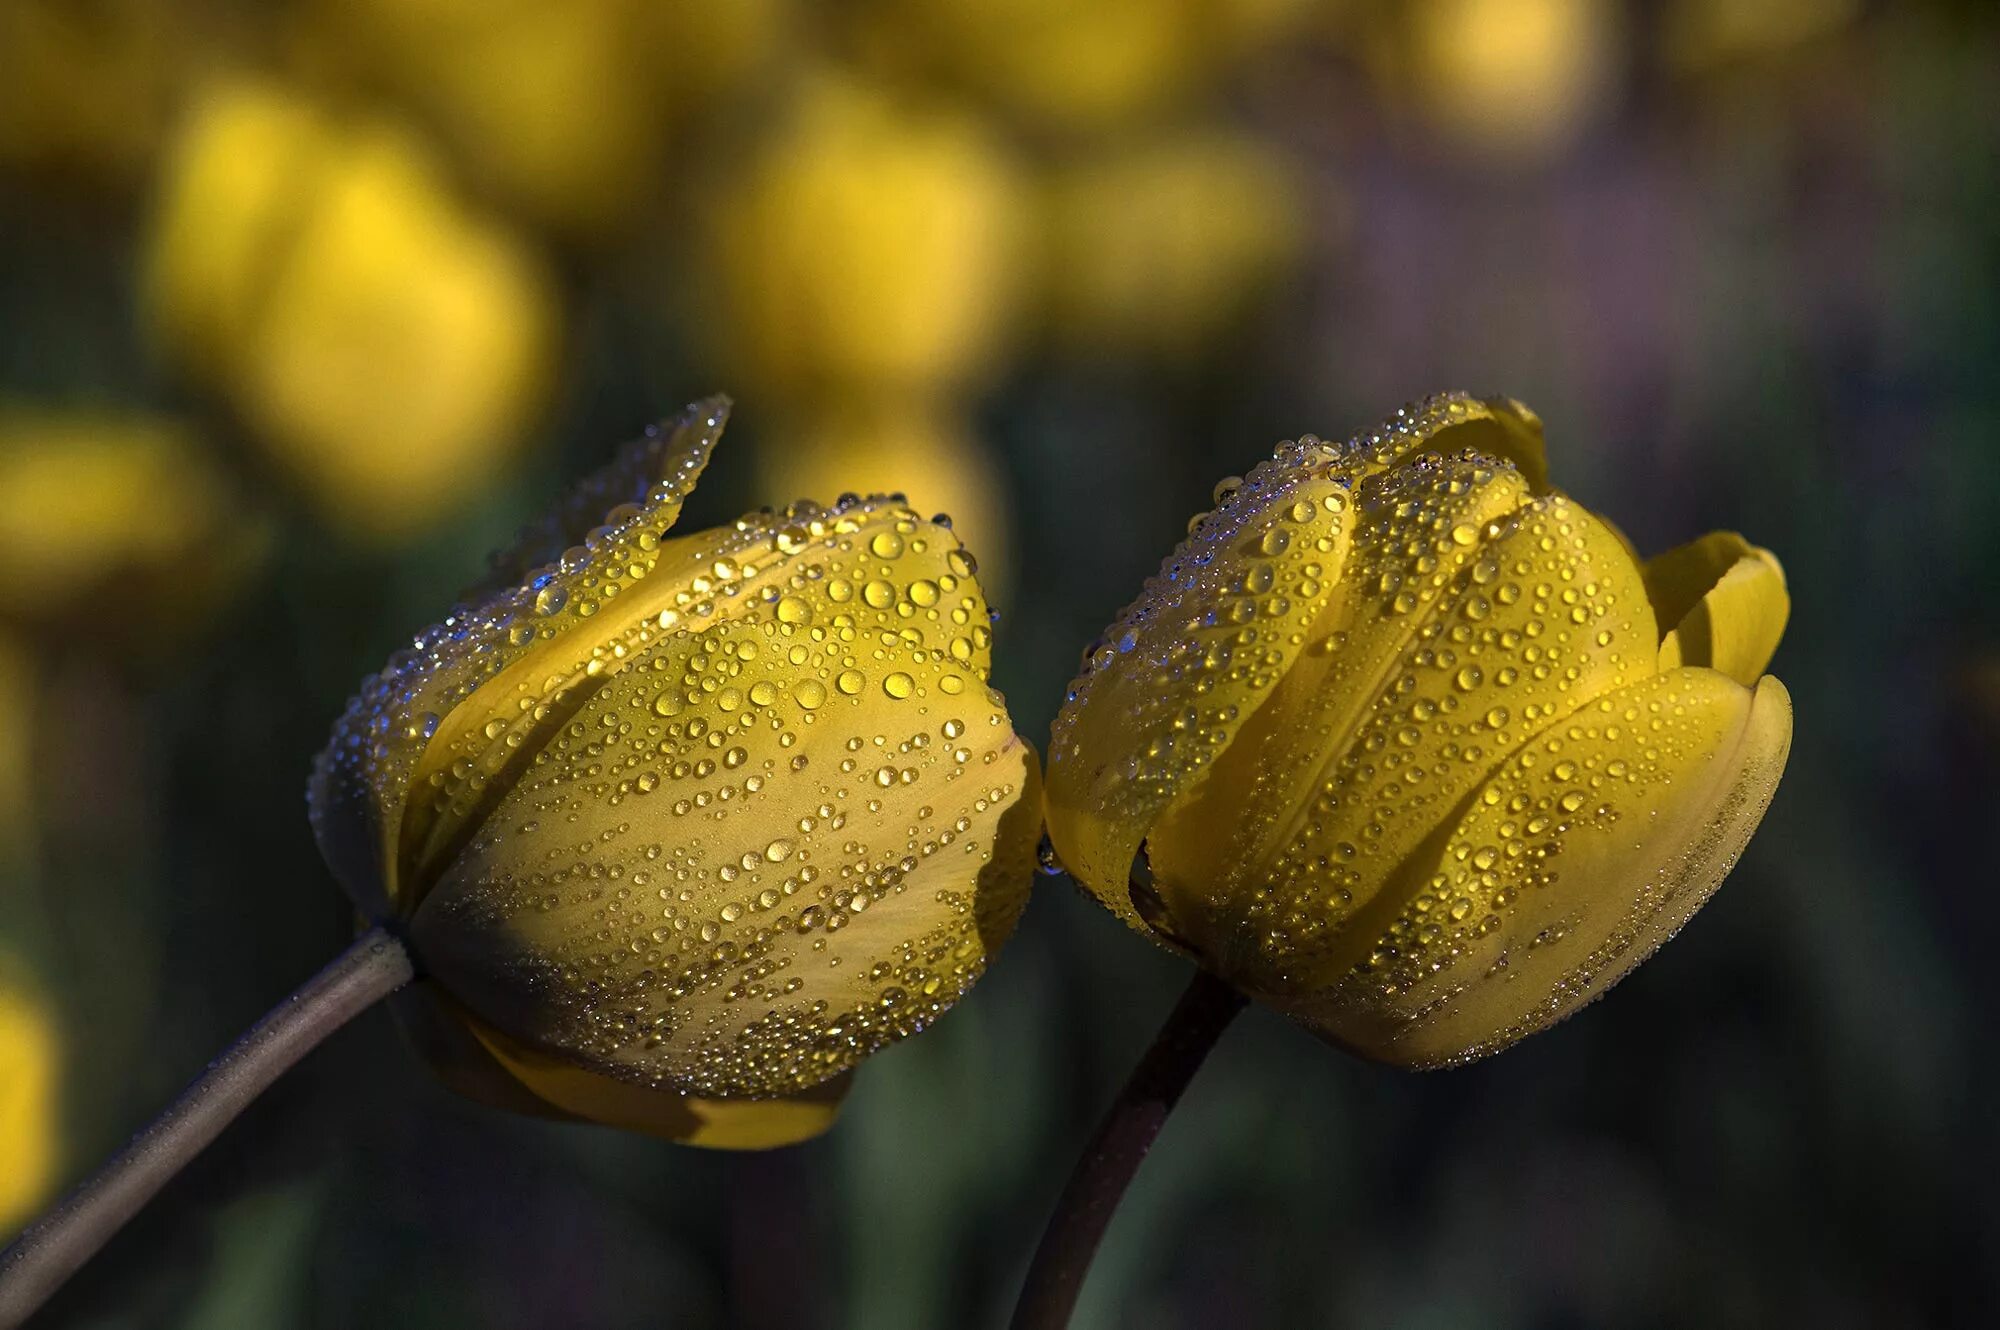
1114 1154
51 1250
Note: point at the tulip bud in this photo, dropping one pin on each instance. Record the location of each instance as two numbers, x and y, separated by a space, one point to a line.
1416 749
682 828
30 1135
118 523
867 246
293 255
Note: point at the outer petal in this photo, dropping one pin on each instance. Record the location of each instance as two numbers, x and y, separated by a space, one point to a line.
920 583
1589 848
441 1032
1191 660
1187 665
719 1124
1496 426
1463 627
675 454
758 852
1722 603
360 783
480 1063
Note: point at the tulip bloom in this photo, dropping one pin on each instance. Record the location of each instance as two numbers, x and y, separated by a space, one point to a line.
682 827
1417 750
30 1136
293 254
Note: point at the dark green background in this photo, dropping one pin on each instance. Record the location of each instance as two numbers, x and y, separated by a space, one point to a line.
1764 302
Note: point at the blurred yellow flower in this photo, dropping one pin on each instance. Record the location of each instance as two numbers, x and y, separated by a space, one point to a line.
1162 246
1086 66
116 522
915 446
1417 750
682 827
385 344
1704 34
30 1130
1522 78
867 245
83 87
565 107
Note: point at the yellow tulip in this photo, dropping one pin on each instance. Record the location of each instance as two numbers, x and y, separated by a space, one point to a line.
1417 750
29 1139
116 520
1522 78
682 827
866 246
386 344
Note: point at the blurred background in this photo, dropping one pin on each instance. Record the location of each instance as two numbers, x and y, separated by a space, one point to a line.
305 306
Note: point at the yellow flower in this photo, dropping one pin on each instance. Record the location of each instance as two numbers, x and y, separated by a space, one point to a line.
1162 246
1517 77
922 448
386 344
682 827
29 1133
867 246
1417 749
116 521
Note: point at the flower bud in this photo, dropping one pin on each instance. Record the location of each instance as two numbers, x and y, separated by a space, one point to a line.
681 828
30 1124
869 245
118 525
293 255
1417 750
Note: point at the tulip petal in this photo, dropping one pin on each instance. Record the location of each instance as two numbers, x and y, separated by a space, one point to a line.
1455 423
1589 848
361 781
912 575
441 1032
477 1061
1192 661
1430 678
1722 603
758 851
671 456
718 1124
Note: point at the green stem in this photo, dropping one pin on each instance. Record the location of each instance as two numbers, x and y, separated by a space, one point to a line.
1128 1130
51 1250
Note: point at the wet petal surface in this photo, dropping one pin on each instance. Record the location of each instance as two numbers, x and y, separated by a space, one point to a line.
1187 665
1722 603
1589 848
361 781
1471 618
757 852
